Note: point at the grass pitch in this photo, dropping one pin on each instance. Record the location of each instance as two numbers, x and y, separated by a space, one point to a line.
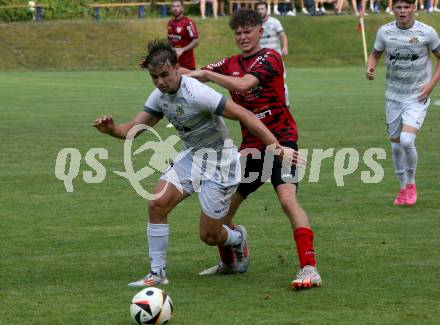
67 257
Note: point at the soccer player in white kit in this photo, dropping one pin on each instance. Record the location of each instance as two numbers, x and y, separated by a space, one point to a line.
196 111
273 37
406 44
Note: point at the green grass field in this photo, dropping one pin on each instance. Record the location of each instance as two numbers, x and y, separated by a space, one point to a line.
66 258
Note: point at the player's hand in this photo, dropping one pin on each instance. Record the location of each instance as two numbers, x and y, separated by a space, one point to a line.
179 51
425 92
104 124
201 75
293 156
284 51
370 73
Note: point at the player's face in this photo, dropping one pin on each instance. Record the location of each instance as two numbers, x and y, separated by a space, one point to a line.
404 13
248 38
262 11
176 9
165 77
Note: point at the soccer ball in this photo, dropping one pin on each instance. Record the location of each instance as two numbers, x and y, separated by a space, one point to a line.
151 306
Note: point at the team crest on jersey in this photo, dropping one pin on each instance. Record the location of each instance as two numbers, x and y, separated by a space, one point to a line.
179 110
179 29
413 40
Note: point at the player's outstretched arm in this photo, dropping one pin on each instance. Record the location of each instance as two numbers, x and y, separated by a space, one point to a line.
427 89
240 84
106 124
373 59
234 111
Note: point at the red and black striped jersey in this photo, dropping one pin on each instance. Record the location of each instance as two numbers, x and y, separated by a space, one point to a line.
266 100
180 33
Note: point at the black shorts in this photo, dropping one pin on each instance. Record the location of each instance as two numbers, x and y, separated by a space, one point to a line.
277 175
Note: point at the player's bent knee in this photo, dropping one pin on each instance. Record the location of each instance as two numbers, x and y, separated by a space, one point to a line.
158 208
209 238
407 139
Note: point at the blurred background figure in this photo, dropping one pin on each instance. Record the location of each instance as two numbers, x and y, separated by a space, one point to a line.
214 8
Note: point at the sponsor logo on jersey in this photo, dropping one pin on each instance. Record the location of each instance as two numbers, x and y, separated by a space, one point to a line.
216 65
236 73
179 110
403 56
263 114
413 40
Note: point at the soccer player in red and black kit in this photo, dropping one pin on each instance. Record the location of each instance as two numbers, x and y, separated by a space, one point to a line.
255 80
182 36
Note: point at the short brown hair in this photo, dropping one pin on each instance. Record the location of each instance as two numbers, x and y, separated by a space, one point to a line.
245 17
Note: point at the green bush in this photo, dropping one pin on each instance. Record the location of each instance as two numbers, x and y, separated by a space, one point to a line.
72 9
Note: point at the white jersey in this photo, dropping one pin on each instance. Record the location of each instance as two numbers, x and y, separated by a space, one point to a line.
407 58
195 111
271 34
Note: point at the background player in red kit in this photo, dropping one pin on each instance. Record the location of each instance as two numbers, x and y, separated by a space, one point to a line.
255 80
182 36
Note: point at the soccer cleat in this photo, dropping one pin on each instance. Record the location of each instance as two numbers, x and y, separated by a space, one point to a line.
276 12
220 268
151 279
411 194
169 126
291 13
307 277
241 251
401 197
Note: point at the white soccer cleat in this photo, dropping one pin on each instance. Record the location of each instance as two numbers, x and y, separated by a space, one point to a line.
291 13
151 279
304 11
307 277
275 11
220 268
169 126
241 251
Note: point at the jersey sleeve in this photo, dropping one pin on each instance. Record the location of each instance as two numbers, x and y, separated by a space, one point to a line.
379 43
219 67
278 27
192 29
434 41
207 99
152 104
267 66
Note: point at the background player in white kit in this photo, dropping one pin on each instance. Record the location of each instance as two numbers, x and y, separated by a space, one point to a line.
406 44
273 37
196 112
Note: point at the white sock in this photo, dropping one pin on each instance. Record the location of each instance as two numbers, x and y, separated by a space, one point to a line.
399 164
234 237
407 141
157 235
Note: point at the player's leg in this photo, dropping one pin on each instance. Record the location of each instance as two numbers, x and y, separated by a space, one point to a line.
303 235
393 112
413 116
168 196
215 200
284 181
237 258
173 187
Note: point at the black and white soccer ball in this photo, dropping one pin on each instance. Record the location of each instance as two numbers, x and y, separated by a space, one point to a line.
151 306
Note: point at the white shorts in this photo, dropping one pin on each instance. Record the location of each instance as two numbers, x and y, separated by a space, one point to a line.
214 187
411 112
